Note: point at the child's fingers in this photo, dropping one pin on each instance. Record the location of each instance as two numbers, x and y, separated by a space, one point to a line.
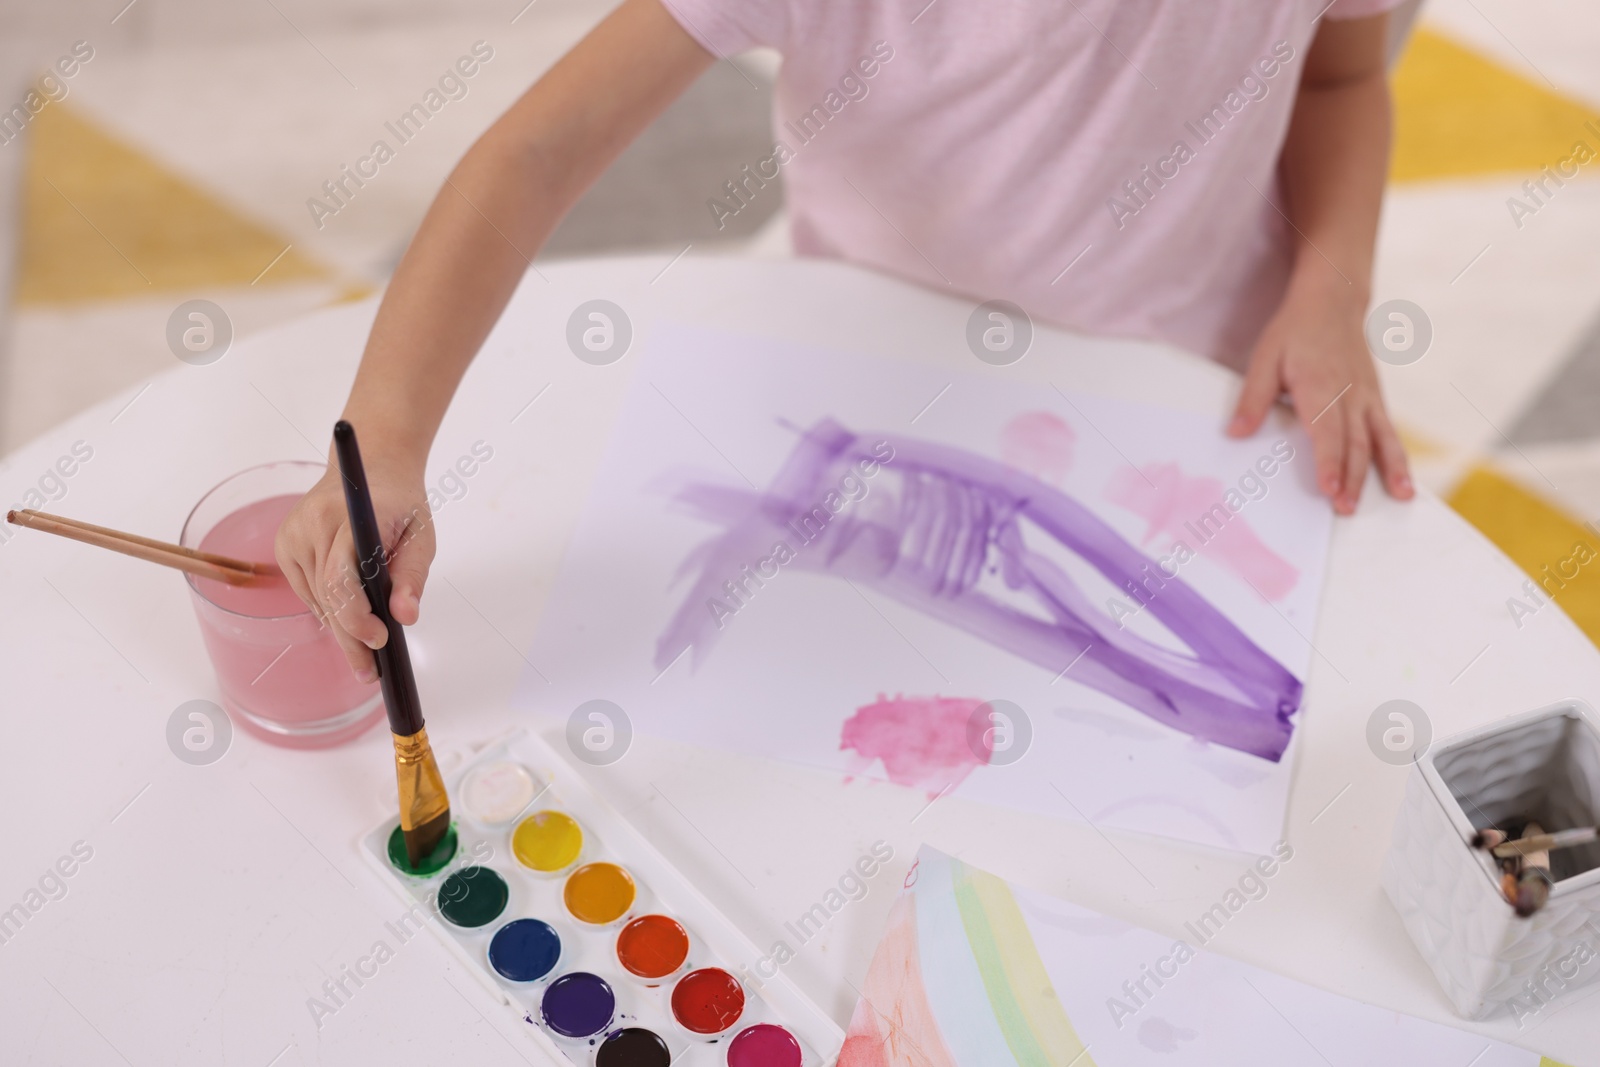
1391 455
343 600
286 548
344 597
1357 455
1326 425
357 654
408 568
1262 385
294 575
314 551
297 557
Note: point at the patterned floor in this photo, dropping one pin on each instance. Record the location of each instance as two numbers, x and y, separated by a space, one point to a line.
1505 410
140 192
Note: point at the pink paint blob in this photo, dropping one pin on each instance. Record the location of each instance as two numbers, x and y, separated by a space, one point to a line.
1040 444
922 741
1194 510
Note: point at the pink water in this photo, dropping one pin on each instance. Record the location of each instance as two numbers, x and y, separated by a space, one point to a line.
282 673
248 534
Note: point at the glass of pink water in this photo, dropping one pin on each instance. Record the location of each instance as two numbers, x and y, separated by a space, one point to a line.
283 676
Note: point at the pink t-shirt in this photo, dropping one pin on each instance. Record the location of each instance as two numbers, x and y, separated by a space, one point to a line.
1104 164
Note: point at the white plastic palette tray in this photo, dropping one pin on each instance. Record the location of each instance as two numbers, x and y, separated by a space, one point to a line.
714 942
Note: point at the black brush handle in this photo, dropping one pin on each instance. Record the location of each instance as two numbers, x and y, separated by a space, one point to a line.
393 660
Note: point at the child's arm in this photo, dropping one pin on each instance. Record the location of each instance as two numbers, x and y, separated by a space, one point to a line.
1333 163
495 210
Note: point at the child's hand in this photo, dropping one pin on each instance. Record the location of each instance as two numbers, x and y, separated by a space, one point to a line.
317 555
1314 348
458 272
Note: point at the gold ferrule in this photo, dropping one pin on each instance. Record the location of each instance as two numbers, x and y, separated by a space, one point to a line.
422 795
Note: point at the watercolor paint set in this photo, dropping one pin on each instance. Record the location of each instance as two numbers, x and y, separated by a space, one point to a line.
608 954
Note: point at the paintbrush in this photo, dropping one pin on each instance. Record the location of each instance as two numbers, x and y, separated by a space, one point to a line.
424 807
1533 880
1525 845
1489 838
204 564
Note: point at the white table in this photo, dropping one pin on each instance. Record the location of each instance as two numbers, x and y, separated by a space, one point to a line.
218 898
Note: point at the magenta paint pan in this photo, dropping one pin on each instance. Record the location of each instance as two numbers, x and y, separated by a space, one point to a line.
636 972
765 1045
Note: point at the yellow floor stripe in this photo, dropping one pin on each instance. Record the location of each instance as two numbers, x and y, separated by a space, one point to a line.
1458 113
102 220
1540 538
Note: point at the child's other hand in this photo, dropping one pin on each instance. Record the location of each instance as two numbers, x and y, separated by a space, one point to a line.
315 550
1314 349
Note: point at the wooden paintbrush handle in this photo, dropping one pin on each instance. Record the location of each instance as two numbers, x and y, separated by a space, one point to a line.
150 542
205 565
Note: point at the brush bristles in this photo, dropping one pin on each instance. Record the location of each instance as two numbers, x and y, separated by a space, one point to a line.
1488 838
424 807
1533 891
421 842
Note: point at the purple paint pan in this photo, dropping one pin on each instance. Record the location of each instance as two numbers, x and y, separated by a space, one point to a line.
578 1004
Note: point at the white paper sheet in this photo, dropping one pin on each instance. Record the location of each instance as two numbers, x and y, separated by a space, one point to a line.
974 972
795 656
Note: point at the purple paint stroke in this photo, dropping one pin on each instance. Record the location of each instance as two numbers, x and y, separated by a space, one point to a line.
957 515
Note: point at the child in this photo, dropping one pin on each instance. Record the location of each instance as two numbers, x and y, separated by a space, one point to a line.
1208 175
